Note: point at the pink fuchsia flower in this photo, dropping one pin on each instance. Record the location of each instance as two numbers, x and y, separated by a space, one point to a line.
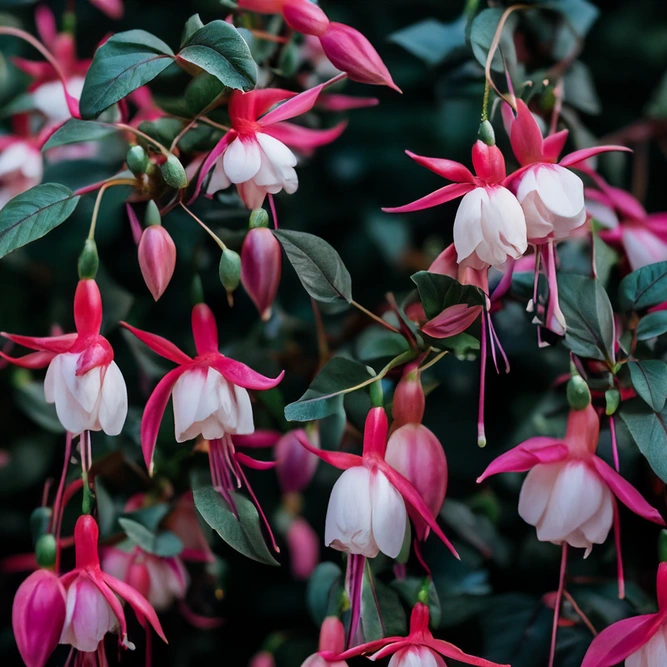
552 197
166 578
419 648
304 549
254 154
295 466
93 604
570 493
157 259
641 641
332 641
261 267
367 507
38 617
301 15
82 378
489 227
21 166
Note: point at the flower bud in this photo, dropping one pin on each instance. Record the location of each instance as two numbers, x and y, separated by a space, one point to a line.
46 551
262 659
612 399
305 17
230 270
261 265
295 465
152 214
173 172
38 617
304 549
89 261
486 133
349 51
409 401
137 160
157 259
258 218
578 393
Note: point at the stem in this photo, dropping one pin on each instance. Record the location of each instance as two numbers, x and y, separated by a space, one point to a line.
580 613
268 37
56 518
182 133
485 101
559 597
379 320
143 135
481 432
212 234
433 361
98 201
614 443
274 214
208 121
322 344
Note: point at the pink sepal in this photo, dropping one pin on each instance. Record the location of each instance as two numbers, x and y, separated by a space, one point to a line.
553 145
297 105
304 139
135 225
260 438
526 456
488 162
451 651
197 620
626 493
305 17
87 308
251 105
242 375
361 649
449 192
204 329
452 321
45 22
99 579
32 360
249 462
375 433
334 102
159 345
210 161
584 154
620 640
55 344
99 353
454 171
340 460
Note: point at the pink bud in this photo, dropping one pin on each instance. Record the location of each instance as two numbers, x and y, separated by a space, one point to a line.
332 638
351 52
157 259
262 659
295 465
38 616
305 17
139 578
417 454
409 402
304 549
261 266
488 162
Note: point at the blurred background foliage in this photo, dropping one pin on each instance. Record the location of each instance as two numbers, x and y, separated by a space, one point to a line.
493 597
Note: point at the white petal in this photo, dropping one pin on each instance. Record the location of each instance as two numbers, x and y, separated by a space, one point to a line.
218 180
50 379
561 190
49 98
113 406
642 247
245 423
388 515
14 157
241 160
186 395
598 526
467 224
84 388
536 491
276 151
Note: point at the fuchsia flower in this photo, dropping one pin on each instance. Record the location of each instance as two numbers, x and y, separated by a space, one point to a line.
82 378
157 259
254 154
332 641
295 466
38 616
93 608
261 267
419 648
367 507
570 493
641 641
489 227
552 197
21 166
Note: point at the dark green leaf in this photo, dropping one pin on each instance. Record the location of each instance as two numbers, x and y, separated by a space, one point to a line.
125 62
649 431
242 533
588 316
652 325
409 588
324 588
219 49
319 267
383 614
430 40
379 343
579 89
75 131
649 378
201 91
461 345
193 24
164 544
322 398
438 292
644 287
34 213
149 517
30 399
482 32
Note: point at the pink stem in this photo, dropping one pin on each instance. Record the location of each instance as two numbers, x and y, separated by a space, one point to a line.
499 344
481 433
420 557
619 554
259 509
614 443
272 204
559 597
355 564
56 519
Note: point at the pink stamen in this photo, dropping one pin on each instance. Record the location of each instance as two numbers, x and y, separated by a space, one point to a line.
492 330
614 443
56 519
274 214
559 597
481 433
353 584
619 555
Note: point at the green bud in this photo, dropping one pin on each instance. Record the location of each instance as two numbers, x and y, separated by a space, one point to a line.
89 261
46 551
662 546
424 591
173 172
377 397
612 399
196 290
258 218
230 269
39 522
137 160
486 133
152 214
578 393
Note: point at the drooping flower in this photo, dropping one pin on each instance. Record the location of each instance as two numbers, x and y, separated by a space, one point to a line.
552 196
419 649
570 493
261 267
93 604
641 640
21 166
490 226
82 378
295 466
254 154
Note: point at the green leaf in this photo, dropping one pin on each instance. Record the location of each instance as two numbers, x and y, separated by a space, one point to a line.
438 292
461 345
644 287
324 589
242 533
125 62
649 431
379 343
201 91
482 32
34 213
409 588
164 544
652 325
322 398
30 400
219 49
149 517
431 40
579 89
75 131
319 267
193 24
649 378
588 316
383 614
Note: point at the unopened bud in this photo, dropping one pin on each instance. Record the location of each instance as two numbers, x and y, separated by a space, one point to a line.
305 17
304 549
612 399
157 259
230 270
295 465
89 261
152 215
40 520
258 218
261 267
409 401
578 393
137 160
46 551
173 172
486 133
